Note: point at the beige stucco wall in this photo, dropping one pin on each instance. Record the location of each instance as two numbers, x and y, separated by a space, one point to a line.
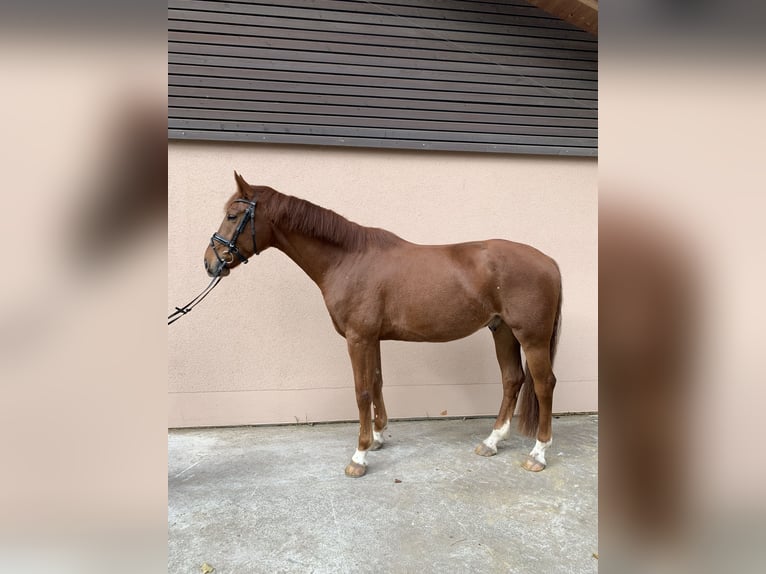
261 348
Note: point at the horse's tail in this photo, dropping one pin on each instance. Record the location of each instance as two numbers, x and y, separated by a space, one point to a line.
529 409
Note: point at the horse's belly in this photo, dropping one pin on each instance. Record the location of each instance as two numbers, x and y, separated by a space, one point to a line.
432 335
434 320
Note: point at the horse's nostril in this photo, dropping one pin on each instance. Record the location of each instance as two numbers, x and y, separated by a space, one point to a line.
207 265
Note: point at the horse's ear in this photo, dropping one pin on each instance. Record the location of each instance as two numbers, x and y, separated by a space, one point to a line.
244 187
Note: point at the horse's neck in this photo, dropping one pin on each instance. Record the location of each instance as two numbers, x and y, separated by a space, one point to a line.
313 255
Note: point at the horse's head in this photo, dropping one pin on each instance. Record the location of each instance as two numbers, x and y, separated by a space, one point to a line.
244 232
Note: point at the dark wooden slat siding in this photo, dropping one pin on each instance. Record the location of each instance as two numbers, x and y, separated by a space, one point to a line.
413 74
483 12
368 92
255 35
257 65
379 102
350 113
288 57
367 122
367 81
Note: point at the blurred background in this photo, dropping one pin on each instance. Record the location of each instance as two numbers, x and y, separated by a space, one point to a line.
681 278
82 346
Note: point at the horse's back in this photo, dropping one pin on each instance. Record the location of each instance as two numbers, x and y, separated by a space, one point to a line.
490 270
501 262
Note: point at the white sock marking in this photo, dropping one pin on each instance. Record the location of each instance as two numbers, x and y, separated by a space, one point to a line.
360 457
498 434
377 436
538 453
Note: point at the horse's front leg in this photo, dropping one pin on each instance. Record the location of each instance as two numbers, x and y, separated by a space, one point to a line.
380 418
365 362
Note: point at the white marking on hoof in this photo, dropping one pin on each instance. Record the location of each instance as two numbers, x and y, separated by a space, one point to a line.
360 457
497 435
377 436
538 453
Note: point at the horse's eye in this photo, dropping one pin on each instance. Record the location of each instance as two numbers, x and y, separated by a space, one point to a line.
231 217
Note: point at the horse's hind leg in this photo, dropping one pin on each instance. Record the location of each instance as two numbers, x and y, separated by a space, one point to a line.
539 365
509 357
380 418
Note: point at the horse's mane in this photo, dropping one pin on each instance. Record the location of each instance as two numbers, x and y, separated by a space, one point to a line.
301 216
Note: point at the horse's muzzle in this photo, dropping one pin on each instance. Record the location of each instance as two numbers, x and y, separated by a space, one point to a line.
219 268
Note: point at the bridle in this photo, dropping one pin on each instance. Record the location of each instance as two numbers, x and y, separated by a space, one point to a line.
224 259
231 244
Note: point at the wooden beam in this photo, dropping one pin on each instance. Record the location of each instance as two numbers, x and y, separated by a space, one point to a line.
580 13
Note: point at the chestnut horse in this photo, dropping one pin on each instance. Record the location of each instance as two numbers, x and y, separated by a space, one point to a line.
378 286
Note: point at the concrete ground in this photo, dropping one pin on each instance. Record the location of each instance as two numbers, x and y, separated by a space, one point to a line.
275 499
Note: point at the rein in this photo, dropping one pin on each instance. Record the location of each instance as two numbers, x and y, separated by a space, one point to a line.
223 260
181 311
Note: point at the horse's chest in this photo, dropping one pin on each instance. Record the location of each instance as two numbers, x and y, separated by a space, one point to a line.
354 310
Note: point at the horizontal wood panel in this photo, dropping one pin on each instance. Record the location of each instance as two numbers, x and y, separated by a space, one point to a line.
241 11
377 143
370 92
340 81
257 35
407 107
196 44
380 72
449 53
447 74
386 123
298 27
375 133
485 12
370 112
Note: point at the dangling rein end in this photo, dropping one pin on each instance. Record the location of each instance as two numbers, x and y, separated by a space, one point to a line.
181 311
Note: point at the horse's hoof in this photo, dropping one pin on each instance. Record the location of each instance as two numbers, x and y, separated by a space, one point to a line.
376 445
484 450
532 465
355 470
